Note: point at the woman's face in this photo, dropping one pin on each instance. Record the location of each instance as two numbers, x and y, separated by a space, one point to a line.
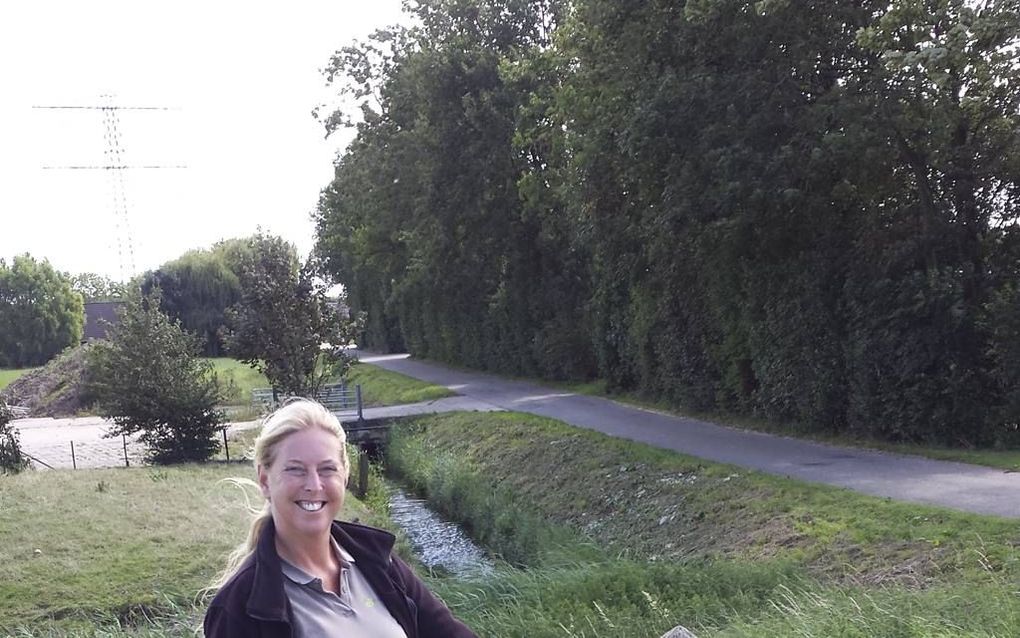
305 484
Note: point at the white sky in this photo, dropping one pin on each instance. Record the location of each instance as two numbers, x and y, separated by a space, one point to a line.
243 77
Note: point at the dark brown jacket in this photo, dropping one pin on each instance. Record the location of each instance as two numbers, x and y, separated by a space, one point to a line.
253 603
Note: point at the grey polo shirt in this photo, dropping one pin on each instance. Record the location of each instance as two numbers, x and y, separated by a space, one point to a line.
356 612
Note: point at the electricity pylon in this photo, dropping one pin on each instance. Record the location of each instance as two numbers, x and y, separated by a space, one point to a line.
115 167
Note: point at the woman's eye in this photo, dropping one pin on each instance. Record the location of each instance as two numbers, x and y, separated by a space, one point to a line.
328 470
294 470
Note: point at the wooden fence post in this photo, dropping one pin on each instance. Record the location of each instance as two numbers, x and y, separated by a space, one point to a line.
362 473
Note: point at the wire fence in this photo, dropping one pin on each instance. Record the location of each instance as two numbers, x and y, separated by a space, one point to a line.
92 453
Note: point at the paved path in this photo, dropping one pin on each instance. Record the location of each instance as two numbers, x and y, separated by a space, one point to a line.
907 478
49 440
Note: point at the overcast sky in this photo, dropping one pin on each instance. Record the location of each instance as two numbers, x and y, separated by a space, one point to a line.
242 79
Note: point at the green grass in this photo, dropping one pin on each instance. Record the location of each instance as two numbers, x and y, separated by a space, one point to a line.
381 387
8 376
100 548
659 505
682 541
238 379
620 598
619 540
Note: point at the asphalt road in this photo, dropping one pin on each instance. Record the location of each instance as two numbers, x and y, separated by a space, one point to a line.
906 478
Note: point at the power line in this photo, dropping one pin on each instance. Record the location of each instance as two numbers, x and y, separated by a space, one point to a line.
115 168
109 108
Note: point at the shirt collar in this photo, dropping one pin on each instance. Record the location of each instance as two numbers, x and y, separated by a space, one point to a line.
301 577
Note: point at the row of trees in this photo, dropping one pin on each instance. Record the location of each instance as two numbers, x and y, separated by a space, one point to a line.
41 309
806 211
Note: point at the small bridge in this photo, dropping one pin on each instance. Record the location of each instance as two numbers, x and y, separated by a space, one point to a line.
366 433
370 437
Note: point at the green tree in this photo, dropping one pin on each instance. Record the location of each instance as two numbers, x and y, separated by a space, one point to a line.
95 287
40 313
196 289
932 262
147 376
439 221
284 325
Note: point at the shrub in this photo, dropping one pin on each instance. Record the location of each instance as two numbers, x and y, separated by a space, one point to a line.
148 378
12 460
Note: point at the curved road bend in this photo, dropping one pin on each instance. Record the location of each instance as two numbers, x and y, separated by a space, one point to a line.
906 478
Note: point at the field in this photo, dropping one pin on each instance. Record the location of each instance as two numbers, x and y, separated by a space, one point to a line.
92 550
381 387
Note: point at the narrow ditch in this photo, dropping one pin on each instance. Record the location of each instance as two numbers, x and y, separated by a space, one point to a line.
438 543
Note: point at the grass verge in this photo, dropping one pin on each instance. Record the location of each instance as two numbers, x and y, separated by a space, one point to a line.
381 387
615 539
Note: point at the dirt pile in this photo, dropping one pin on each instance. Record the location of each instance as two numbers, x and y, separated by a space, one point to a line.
56 389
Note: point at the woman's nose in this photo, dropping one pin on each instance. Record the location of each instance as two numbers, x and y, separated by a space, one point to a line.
312 481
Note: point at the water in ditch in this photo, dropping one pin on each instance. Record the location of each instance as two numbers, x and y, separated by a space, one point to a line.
438 543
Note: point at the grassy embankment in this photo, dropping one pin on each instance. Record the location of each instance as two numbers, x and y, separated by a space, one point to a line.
657 538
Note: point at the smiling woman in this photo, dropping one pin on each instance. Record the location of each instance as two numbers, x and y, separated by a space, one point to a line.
302 573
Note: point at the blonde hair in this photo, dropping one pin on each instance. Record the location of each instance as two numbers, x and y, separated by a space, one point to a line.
296 415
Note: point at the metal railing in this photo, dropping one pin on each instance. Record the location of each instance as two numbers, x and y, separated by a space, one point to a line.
335 397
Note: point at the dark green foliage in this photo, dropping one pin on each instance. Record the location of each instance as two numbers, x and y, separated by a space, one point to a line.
148 377
12 460
283 319
197 288
441 220
40 313
805 211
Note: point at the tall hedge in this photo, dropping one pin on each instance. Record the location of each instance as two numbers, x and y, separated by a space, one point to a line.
806 211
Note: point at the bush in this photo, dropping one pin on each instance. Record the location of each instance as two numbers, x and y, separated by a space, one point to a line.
148 378
12 460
